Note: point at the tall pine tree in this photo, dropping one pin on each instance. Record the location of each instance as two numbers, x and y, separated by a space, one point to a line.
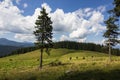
112 25
43 33
116 7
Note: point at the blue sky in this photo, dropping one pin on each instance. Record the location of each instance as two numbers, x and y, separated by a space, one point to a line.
66 5
79 20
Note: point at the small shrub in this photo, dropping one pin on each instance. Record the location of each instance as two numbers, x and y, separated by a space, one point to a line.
70 58
10 60
52 64
83 58
57 63
77 57
93 63
37 59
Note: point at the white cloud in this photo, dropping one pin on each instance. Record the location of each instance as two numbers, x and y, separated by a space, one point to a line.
64 21
54 39
78 24
3 32
25 5
47 7
101 8
87 10
67 38
80 33
82 40
64 38
18 1
8 14
12 20
25 37
97 17
103 41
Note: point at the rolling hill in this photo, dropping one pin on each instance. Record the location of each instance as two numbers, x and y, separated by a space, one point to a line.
59 66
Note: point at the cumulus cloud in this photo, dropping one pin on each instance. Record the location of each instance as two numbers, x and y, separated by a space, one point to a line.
12 20
64 38
25 5
96 17
67 38
82 40
66 22
47 7
8 14
80 23
54 39
18 1
101 8
80 33
27 37
77 24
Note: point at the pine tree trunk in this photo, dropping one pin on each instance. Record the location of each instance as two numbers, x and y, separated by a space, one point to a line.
109 52
41 56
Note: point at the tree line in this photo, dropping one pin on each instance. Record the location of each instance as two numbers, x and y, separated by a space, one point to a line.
24 50
85 46
72 45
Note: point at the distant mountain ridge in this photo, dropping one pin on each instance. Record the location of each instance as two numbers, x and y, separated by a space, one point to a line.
6 42
6 50
7 46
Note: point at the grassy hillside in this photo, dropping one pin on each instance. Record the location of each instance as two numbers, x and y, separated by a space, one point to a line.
59 66
30 60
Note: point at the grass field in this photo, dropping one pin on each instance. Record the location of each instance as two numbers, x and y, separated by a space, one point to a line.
62 64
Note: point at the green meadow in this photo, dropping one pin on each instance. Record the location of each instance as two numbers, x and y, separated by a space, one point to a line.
61 64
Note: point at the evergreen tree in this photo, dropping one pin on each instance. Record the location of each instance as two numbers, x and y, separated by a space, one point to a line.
116 7
112 25
43 32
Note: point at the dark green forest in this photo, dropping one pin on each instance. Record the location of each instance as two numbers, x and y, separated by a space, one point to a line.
85 46
72 45
7 50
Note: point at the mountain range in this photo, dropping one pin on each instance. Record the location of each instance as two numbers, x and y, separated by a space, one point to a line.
7 46
6 42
